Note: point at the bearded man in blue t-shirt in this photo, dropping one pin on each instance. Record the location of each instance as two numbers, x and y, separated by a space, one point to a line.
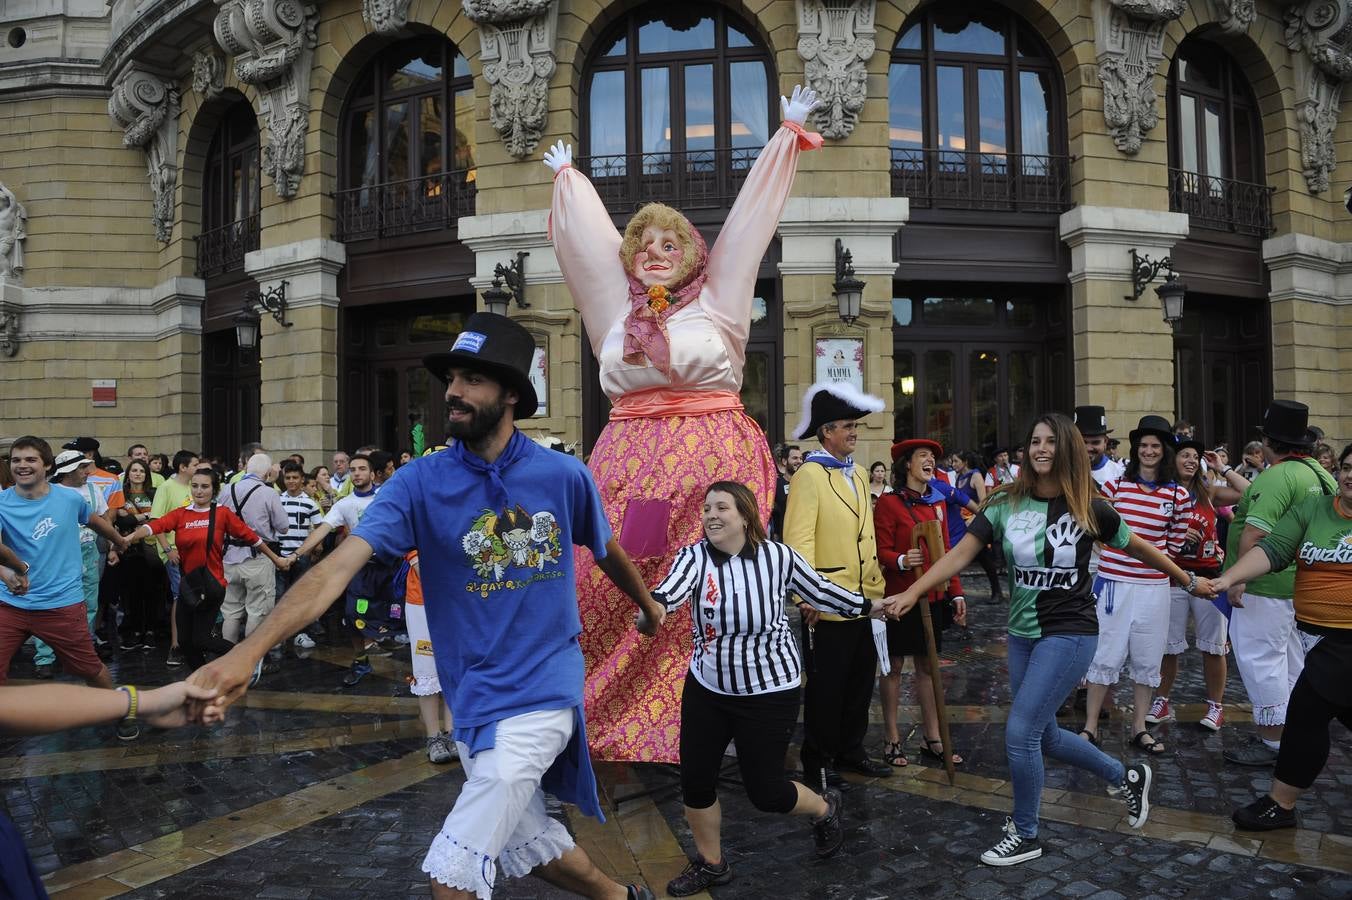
494 518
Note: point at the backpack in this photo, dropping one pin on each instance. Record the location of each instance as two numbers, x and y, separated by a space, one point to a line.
374 602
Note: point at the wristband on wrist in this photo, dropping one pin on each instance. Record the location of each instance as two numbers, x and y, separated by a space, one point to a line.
1225 473
133 701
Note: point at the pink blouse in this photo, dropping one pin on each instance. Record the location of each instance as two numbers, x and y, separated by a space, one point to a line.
708 337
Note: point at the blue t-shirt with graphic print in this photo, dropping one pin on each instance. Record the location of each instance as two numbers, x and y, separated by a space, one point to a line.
497 573
45 533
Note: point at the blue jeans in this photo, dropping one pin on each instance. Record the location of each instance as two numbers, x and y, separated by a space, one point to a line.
174 575
1042 673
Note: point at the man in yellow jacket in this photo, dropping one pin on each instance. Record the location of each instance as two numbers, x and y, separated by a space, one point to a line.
829 521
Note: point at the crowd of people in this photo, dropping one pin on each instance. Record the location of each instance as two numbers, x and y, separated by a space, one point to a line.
542 598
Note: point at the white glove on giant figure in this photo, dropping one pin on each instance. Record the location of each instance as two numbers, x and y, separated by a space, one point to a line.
797 107
561 155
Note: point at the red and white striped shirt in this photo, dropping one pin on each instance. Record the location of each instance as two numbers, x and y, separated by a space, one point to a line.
1151 515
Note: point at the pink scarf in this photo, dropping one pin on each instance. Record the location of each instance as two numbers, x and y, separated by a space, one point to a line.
645 331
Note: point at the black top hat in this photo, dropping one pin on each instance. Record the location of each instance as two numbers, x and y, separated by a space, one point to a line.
498 347
833 401
1195 444
1092 421
83 444
1289 422
1156 425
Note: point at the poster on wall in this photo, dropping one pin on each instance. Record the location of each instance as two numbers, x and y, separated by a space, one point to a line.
841 359
539 379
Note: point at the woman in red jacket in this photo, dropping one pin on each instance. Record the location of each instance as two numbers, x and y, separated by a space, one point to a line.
913 500
189 525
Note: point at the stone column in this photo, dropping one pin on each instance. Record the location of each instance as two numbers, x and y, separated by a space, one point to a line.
299 364
176 376
1311 309
552 318
1124 350
808 230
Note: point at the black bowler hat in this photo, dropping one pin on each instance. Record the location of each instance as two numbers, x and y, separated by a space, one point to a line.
499 348
1092 421
1288 421
83 444
833 401
1156 425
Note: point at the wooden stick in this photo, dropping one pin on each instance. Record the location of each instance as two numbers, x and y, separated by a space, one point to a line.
928 533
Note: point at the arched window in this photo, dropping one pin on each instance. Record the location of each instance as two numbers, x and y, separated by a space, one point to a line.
676 103
230 194
407 153
1215 143
974 113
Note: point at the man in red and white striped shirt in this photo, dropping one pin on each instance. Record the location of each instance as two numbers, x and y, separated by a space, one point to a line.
1133 599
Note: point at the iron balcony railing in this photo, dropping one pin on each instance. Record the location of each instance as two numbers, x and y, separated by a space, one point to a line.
1221 204
689 179
221 250
952 179
405 207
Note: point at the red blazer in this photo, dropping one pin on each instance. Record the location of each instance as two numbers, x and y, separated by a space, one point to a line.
893 520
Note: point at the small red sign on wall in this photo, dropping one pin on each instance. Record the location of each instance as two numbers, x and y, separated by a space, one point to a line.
103 392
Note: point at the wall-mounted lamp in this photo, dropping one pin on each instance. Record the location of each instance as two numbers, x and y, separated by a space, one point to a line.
9 333
272 300
1144 270
849 291
496 298
246 329
1171 295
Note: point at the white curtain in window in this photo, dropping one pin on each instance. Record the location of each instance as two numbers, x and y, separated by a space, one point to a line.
655 98
749 104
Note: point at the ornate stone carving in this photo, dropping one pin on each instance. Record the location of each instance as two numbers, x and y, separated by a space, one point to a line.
1130 40
273 42
835 41
1319 32
385 16
146 107
1235 16
13 230
516 47
208 73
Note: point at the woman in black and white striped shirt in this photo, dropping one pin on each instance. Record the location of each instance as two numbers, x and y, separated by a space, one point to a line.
744 676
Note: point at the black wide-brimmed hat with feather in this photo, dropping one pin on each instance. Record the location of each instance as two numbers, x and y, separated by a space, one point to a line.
833 401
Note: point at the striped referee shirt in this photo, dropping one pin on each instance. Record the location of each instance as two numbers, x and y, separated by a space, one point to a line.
1158 516
303 516
743 644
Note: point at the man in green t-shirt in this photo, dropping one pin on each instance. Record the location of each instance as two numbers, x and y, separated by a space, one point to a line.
1263 626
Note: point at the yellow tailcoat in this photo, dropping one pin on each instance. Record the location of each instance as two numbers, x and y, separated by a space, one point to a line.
831 526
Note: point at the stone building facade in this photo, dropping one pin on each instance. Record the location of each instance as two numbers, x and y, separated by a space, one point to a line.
989 165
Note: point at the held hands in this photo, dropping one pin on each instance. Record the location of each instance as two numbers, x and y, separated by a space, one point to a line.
226 678
1205 588
899 605
559 156
171 706
285 563
796 108
650 617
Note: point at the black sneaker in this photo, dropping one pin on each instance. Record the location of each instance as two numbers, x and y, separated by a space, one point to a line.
1252 753
1135 792
174 659
130 642
1264 814
826 831
866 766
128 731
697 876
1012 849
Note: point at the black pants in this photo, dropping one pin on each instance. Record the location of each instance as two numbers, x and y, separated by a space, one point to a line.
986 559
840 663
761 724
194 633
142 588
1319 697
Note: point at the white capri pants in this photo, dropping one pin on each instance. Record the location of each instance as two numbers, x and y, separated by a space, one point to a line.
425 680
1211 626
499 818
1133 624
1269 654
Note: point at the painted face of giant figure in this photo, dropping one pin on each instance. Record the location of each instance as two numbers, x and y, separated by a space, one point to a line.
661 248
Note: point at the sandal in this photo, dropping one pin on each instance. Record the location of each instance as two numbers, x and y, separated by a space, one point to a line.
1146 742
927 750
1089 736
894 756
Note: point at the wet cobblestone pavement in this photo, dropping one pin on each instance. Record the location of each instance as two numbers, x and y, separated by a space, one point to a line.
312 791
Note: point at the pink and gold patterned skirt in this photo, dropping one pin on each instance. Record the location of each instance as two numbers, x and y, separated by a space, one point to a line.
633 688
